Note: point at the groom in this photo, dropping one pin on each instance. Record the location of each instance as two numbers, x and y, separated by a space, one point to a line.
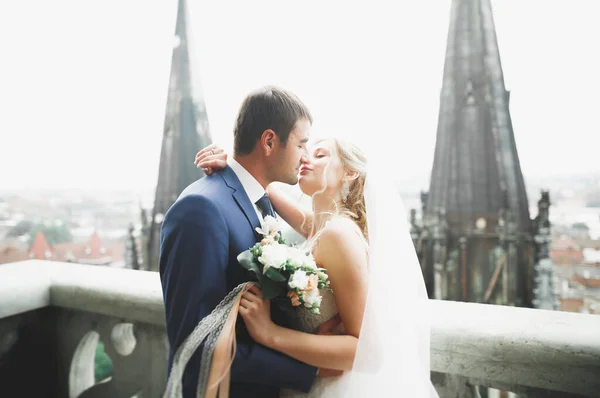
214 220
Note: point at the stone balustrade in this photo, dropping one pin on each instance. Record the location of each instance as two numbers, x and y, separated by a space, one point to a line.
52 316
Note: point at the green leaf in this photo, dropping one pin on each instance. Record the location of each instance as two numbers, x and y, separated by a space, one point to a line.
246 259
271 289
275 275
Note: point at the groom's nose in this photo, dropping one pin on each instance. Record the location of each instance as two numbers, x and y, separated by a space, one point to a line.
304 158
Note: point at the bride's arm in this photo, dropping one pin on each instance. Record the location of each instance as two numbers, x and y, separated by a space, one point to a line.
341 251
213 158
296 216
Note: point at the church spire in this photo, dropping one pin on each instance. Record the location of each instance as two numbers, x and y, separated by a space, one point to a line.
477 234
476 169
185 131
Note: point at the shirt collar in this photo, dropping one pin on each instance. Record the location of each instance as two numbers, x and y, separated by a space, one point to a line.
253 189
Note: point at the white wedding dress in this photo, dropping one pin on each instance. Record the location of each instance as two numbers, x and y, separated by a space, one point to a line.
393 353
309 323
304 321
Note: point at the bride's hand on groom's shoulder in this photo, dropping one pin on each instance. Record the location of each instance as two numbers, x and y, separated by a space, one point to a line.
211 159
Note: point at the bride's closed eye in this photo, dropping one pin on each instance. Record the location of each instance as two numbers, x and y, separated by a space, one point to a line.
320 153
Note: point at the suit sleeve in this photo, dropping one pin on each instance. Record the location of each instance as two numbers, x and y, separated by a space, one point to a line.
194 256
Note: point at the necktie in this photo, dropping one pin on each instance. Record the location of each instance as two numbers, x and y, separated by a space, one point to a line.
265 206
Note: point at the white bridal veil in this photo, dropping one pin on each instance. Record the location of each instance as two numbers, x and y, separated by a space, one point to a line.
393 357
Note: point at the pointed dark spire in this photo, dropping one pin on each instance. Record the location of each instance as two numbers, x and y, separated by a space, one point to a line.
185 132
476 235
476 165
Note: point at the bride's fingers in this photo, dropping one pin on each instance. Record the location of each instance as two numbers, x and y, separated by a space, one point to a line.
212 164
251 298
217 164
220 158
204 152
256 291
202 155
207 157
245 303
212 149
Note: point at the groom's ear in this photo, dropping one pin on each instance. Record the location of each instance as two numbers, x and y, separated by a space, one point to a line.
267 141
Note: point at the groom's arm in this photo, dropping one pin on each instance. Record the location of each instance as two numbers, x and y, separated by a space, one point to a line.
194 258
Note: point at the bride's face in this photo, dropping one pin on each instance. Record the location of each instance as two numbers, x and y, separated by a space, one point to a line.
323 171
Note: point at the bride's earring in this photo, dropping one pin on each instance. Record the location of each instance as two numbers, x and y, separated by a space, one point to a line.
345 191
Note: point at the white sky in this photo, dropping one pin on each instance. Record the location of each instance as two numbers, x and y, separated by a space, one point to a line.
83 83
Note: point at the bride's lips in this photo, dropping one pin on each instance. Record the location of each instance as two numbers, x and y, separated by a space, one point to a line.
304 170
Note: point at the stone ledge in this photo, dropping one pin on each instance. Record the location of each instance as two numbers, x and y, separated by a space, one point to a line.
33 284
552 350
497 345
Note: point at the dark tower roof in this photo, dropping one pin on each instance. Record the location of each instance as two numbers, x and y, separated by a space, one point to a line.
476 169
185 132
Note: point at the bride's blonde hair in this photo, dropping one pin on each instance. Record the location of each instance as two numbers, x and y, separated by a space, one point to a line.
353 206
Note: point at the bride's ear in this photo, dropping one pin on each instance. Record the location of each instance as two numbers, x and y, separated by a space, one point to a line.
350 175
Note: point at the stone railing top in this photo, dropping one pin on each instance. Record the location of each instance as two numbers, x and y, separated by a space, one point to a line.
552 350
33 284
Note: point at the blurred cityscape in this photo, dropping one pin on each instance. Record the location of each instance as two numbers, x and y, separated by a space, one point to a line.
101 228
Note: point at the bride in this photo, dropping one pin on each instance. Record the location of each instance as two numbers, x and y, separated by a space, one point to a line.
379 335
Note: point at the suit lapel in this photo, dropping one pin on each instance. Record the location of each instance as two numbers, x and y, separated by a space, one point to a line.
240 196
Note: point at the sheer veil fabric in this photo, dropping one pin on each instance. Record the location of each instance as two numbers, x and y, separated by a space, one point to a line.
393 354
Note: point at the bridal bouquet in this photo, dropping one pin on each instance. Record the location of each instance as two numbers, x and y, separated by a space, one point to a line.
282 269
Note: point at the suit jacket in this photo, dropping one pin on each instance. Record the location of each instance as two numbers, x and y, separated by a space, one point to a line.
202 234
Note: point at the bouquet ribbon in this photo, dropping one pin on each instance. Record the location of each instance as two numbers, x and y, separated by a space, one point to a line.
217 332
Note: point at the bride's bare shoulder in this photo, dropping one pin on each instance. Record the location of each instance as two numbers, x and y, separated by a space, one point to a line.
340 240
340 226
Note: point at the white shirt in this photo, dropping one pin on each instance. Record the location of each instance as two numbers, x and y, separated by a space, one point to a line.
253 189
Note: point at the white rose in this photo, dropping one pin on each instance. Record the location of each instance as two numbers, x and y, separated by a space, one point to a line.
269 226
300 259
273 256
312 297
322 275
309 261
296 257
299 280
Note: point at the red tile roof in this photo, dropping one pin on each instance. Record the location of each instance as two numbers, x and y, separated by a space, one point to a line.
40 249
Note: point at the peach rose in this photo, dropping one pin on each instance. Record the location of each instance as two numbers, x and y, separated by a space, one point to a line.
294 298
313 281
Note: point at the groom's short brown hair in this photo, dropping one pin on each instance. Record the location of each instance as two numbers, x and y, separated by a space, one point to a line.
267 108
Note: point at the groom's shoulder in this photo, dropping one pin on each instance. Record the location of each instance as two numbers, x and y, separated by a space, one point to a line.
200 197
211 187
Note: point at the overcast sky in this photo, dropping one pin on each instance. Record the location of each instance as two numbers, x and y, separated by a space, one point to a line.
83 84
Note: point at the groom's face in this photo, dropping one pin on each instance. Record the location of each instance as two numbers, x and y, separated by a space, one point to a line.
289 158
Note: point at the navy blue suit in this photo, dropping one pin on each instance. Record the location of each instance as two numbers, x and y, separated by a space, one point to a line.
202 234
